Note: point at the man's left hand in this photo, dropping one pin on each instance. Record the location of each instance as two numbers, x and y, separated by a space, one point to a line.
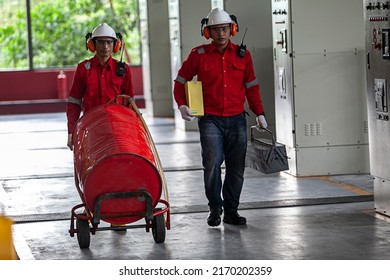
261 121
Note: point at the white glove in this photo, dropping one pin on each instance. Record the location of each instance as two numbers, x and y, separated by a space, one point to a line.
186 113
70 142
261 121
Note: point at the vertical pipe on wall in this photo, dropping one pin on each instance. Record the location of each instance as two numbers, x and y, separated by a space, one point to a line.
29 41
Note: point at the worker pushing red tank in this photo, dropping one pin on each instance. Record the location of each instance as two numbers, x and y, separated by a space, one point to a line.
118 173
117 170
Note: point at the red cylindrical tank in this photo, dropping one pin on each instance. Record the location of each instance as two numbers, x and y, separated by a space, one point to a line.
62 90
112 153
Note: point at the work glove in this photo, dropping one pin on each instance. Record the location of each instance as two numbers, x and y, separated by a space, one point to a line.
261 121
70 142
186 113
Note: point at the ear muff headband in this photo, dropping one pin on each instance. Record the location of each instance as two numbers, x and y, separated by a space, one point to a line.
233 31
205 30
90 43
118 42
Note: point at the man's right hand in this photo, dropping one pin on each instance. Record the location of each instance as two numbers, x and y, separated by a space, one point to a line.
70 142
186 113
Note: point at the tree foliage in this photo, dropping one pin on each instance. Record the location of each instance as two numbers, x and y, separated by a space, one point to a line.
59 28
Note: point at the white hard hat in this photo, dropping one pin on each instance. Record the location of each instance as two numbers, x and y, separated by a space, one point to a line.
103 30
218 16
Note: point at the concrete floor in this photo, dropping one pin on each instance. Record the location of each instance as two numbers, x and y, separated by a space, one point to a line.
311 218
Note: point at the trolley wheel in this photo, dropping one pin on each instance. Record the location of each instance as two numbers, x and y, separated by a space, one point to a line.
158 228
83 233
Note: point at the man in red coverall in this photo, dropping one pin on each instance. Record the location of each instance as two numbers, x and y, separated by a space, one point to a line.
227 79
97 80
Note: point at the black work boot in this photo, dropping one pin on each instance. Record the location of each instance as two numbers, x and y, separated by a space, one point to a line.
234 219
214 217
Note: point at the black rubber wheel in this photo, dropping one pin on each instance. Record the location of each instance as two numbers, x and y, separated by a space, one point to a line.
158 228
83 233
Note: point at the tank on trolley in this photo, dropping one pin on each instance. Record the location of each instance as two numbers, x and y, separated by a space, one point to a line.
118 174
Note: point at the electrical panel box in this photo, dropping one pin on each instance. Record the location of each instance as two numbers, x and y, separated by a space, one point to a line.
320 104
377 47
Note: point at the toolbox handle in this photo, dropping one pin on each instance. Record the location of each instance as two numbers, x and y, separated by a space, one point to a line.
269 159
260 129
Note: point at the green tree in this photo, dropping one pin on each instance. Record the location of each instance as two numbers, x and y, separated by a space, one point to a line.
13 43
59 28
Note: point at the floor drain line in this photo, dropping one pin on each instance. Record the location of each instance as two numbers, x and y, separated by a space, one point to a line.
30 218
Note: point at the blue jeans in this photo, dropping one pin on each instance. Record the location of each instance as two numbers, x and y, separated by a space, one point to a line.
223 139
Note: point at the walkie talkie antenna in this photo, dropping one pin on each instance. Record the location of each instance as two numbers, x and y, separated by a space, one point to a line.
123 48
120 71
242 48
243 37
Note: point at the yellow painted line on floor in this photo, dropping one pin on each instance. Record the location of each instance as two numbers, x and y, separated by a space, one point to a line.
345 186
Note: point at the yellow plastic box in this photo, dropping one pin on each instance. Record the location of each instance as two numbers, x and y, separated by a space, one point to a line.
194 96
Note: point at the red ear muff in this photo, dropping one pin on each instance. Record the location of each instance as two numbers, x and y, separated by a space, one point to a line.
117 46
234 27
91 45
206 32
233 30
